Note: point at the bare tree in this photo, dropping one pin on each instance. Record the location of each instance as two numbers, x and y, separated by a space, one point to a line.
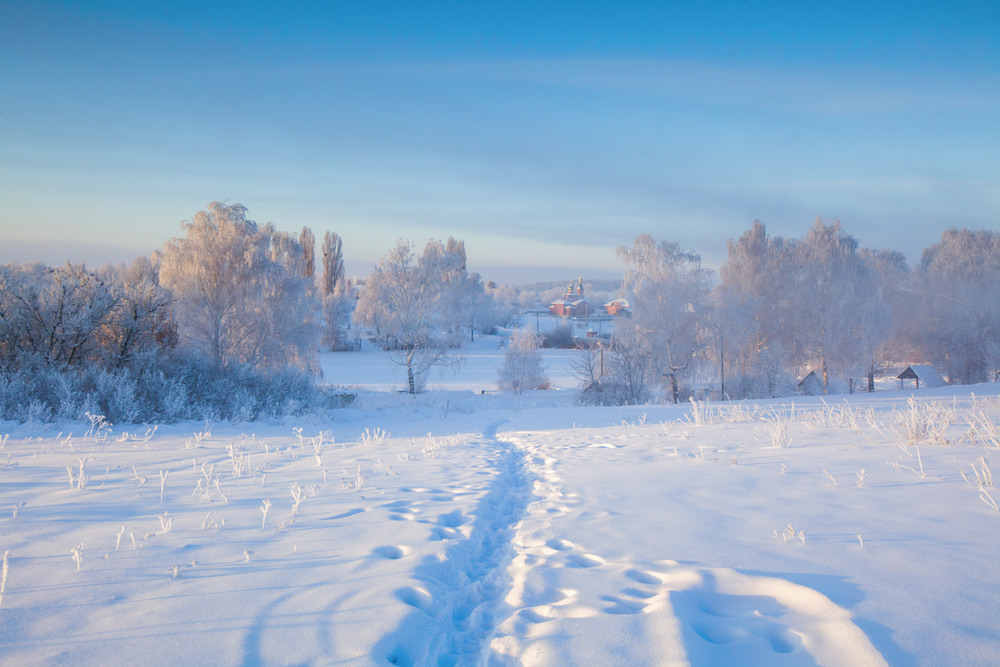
51 315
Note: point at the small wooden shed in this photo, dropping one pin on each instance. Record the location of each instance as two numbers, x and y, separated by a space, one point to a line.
810 385
922 373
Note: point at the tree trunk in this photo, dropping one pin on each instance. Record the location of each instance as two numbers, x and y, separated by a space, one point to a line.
722 367
409 373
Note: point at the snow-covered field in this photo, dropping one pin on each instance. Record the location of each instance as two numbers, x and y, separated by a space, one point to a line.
456 528
475 370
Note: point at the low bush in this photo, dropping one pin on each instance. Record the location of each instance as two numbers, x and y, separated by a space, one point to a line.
174 390
560 338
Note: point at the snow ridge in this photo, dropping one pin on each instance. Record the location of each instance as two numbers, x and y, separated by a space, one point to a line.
465 588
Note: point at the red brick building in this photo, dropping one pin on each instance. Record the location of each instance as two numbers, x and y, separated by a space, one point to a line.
572 303
617 307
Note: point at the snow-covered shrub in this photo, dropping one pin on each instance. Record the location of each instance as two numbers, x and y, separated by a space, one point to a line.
560 338
766 379
179 389
604 392
522 364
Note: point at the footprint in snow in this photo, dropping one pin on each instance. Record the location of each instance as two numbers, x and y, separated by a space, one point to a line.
390 552
536 615
453 519
637 593
643 577
559 545
720 607
585 560
624 605
442 533
419 598
401 510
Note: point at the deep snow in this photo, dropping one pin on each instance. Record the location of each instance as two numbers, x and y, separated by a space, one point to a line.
456 528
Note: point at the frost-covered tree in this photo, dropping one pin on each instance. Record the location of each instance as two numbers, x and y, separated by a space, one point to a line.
240 296
630 366
142 324
668 290
830 286
882 313
754 314
336 294
788 306
958 282
333 263
53 316
445 263
414 305
522 364
506 304
337 309
477 305
307 241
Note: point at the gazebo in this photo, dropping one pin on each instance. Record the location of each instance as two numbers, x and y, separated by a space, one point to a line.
922 373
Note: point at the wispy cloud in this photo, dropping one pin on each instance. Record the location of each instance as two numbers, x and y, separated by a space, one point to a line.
827 90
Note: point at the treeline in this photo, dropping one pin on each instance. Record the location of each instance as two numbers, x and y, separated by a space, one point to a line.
225 321
783 307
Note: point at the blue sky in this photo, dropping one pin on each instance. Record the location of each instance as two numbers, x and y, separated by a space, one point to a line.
543 134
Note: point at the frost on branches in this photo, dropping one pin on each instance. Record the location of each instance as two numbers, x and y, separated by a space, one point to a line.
241 293
522 364
416 305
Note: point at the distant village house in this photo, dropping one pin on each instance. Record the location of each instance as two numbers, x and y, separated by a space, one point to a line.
617 307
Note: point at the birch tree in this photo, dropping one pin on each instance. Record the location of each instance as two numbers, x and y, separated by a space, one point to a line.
239 292
667 289
830 286
413 305
958 282
754 312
